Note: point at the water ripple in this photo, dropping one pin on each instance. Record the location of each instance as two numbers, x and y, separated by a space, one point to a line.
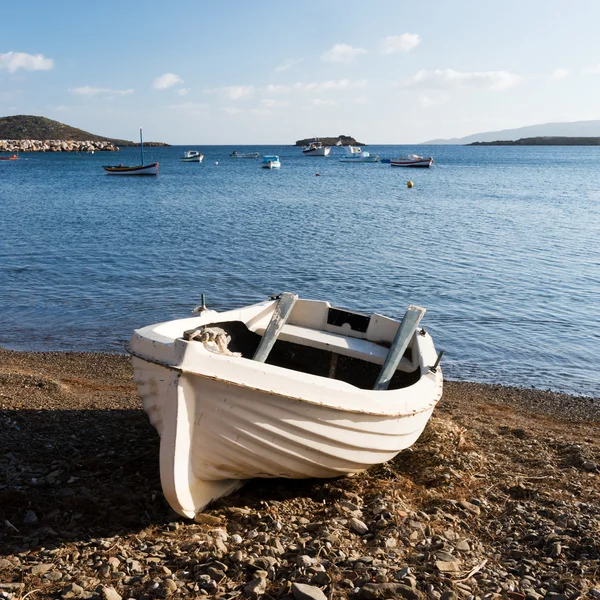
502 245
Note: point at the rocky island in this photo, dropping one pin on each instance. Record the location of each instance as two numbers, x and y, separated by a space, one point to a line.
543 141
345 140
27 133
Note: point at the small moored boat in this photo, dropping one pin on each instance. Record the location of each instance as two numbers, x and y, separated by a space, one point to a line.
141 169
316 148
192 156
287 388
355 154
270 161
236 154
412 160
149 169
11 157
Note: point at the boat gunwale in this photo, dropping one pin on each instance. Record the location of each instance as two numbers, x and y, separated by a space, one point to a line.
430 406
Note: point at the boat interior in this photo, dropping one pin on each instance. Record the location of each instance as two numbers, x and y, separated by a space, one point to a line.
344 362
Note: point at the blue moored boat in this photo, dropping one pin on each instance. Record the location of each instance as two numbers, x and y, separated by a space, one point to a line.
270 161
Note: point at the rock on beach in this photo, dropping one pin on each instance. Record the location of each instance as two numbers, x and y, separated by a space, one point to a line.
497 499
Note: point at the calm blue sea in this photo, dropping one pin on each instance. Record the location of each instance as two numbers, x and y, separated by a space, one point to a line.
500 244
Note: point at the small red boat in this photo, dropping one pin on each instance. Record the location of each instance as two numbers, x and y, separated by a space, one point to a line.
412 160
13 157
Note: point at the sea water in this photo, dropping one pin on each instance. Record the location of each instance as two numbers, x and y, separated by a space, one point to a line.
500 244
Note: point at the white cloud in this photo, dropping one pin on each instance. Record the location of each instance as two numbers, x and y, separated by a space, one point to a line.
233 92
428 101
166 81
232 110
184 91
282 89
559 74
593 69
270 103
90 92
13 61
449 78
237 92
321 102
400 43
192 108
343 53
316 86
288 64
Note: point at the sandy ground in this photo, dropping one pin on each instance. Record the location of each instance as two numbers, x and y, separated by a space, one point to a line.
504 483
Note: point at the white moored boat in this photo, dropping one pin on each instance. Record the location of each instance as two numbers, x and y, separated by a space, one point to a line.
355 154
412 160
316 148
192 156
236 154
270 162
284 388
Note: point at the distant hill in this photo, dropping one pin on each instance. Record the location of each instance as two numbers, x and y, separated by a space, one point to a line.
28 127
544 141
345 140
575 129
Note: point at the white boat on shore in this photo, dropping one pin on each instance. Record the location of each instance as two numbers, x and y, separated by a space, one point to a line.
316 148
412 160
192 156
355 154
270 161
236 154
283 388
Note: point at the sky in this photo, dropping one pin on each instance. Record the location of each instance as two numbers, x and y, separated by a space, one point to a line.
384 72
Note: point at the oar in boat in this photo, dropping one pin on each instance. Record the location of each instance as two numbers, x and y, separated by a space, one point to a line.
282 311
407 328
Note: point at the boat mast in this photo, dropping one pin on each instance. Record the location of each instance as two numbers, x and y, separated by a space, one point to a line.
141 146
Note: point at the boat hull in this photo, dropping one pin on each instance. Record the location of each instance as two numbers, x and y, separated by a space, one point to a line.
361 159
13 157
423 164
195 158
317 152
225 419
151 169
355 154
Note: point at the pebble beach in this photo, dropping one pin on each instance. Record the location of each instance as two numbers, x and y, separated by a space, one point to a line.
499 498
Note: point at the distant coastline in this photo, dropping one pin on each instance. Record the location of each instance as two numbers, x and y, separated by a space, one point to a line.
543 141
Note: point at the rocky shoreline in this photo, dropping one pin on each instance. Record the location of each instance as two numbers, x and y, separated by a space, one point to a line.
56 146
499 498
